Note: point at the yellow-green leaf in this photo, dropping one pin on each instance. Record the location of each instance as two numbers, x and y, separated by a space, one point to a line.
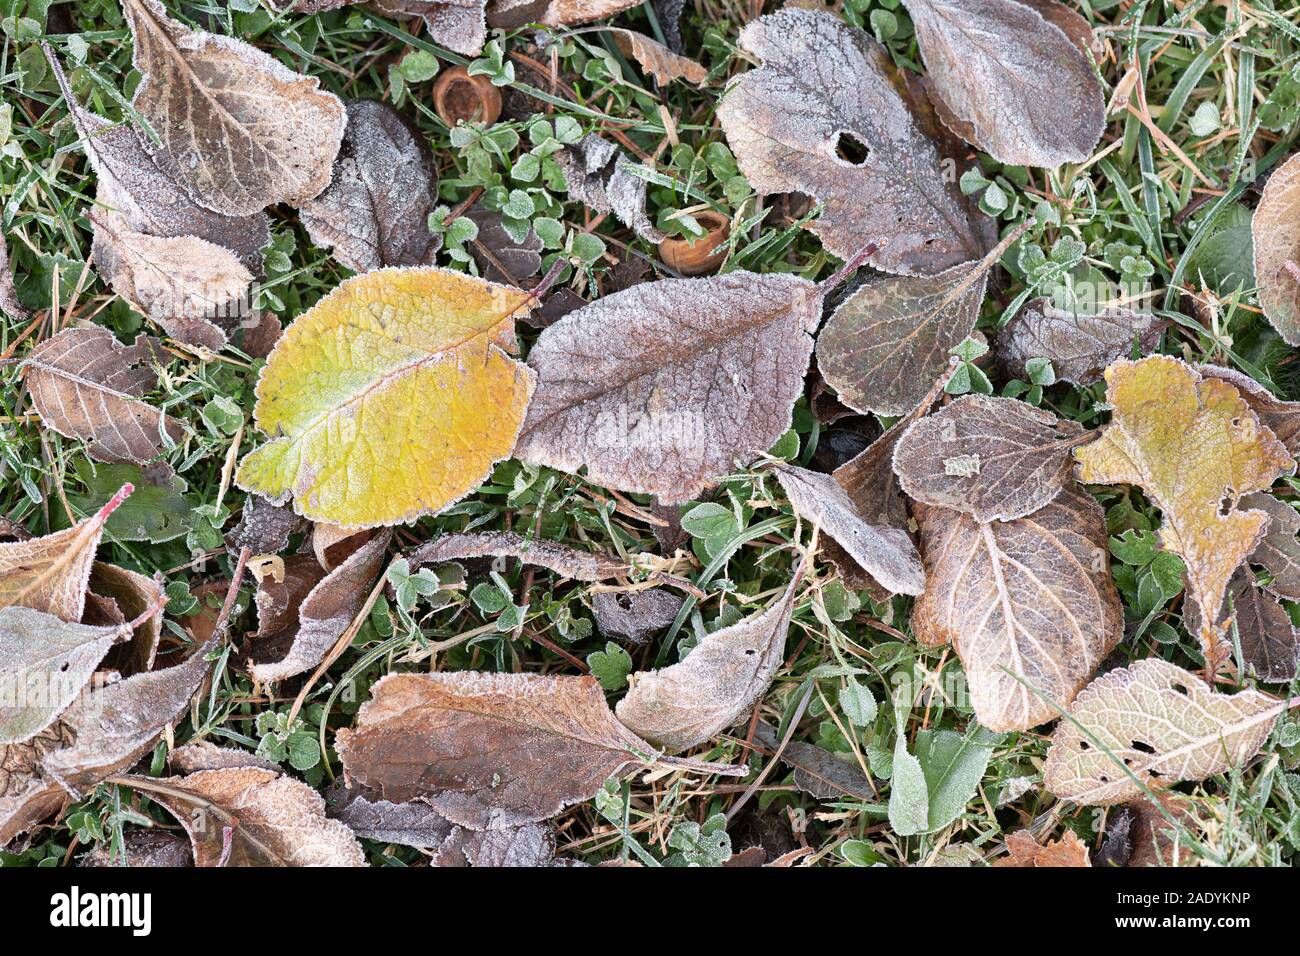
391 398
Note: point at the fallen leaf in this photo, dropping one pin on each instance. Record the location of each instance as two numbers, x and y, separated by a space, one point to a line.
138 599
657 60
1024 850
263 528
1156 841
825 86
27 797
375 211
142 848
501 257
157 511
1079 346
886 554
1278 552
683 705
530 845
661 388
992 458
204 755
488 751
561 13
1024 602
634 616
1195 447
1070 23
243 129
1282 418
817 771
326 612
563 560
9 303
87 385
594 171
247 816
391 398
1016 86
44 664
333 545
1277 250
51 573
1161 725
1270 644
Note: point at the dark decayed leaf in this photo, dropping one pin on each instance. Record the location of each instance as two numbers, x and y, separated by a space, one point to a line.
1277 250
595 174
817 771
9 303
143 848
263 528
634 616
500 257
1278 551
1270 643
1079 346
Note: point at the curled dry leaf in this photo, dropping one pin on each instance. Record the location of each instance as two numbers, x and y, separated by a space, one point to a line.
825 86
1196 448
488 751
9 303
1024 850
563 560
891 337
87 385
1015 86
1282 418
1079 346
568 12
243 129
51 573
44 664
1154 721
687 703
247 816
660 388
1278 552
391 398
634 616
326 612
26 796
1029 605
375 211
992 458
657 60
594 172
885 553
205 755
1276 232
333 545
134 598
817 771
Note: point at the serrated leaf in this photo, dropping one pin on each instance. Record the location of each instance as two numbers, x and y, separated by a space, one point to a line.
1196 448
1079 346
1278 551
1023 850
391 398
1282 418
1024 602
1162 724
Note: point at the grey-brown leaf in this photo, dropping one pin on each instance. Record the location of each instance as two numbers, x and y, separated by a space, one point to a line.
1079 346
594 172
817 771
563 560
1275 228
9 303
1278 551
634 616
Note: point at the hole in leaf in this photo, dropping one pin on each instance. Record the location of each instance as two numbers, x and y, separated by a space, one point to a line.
851 149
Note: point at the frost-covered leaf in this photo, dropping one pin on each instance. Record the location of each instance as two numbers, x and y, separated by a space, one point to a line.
263 528
569 12
9 303
137 599
1079 346
992 458
50 573
1270 643
1276 231
634 616
26 796
1024 850
687 703
247 816
657 60
662 387
1024 602
488 750
391 398
243 129
1282 418
563 560
889 339
1278 551
825 89
1196 448
375 211
594 172
1012 82
1158 722
87 385
143 848
817 771
499 255
885 553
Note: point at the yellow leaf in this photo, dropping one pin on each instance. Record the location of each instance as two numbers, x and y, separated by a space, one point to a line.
391 398
1195 447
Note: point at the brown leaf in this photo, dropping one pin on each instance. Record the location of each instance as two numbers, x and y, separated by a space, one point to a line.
817 771
264 527
326 612
1017 86
87 385
1163 723
634 616
563 560
247 816
718 683
824 87
1024 850
1270 644
887 554
458 25
333 545
992 458
375 211
500 258
662 387
138 599
1281 417
204 755
27 797
1080 346
594 171
1029 601
657 60
243 129
51 573
488 751
1070 23
8 294
887 341
1277 250
1278 551
569 12
143 848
